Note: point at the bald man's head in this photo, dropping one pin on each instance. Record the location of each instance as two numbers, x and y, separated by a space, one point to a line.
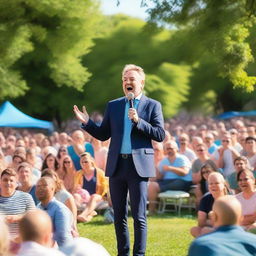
36 226
227 210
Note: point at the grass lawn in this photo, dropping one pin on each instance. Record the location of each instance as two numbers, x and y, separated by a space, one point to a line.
167 234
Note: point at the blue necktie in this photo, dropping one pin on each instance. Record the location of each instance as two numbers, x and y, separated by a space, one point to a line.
126 147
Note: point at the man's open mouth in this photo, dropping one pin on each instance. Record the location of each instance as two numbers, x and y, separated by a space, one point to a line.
129 88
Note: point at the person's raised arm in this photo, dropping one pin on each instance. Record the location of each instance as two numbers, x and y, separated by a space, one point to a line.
83 117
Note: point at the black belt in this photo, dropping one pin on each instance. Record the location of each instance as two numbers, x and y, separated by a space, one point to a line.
125 156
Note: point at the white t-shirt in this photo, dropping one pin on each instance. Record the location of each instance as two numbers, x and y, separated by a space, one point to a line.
248 205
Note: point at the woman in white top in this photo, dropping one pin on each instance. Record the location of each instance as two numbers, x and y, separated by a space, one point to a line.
247 198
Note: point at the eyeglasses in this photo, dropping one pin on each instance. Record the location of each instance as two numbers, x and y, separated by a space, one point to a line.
63 150
67 162
200 150
225 140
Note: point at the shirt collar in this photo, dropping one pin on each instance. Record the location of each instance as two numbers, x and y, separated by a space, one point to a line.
139 96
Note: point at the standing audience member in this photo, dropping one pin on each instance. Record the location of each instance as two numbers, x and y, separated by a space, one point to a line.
36 235
60 215
217 188
228 239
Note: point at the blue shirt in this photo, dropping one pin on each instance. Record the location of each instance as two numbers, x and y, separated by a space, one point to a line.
61 220
75 158
126 147
180 161
224 241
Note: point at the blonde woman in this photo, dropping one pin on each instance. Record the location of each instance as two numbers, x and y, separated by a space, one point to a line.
94 181
217 188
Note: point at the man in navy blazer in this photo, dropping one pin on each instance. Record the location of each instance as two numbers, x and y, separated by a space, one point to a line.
131 127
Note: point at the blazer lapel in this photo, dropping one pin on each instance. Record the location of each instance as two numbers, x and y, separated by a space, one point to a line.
142 104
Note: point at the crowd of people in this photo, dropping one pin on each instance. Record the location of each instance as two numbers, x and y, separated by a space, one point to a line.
49 183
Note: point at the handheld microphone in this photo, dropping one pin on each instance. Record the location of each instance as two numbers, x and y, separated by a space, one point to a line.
130 97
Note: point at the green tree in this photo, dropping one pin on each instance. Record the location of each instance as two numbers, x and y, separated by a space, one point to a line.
219 28
41 45
130 43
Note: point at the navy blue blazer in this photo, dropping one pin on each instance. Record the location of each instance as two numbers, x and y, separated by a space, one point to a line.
150 127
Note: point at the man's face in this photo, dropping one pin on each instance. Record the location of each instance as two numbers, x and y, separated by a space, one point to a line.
8 184
45 190
170 149
24 174
250 145
240 165
132 82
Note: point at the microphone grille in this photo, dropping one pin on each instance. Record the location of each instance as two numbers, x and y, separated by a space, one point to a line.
130 96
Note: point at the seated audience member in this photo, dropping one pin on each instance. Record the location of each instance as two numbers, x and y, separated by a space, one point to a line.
202 187
175 175
203 158
228 238
78 147
94 181
251 131
184 147
17 159
4 239
62 195
60 215
217 188
196 141
234 140
36 235
250 151
84 247
63 139
225 155
13 203
240 163
66 172
26 183
35 162
209 142
247 198
50 162
62 151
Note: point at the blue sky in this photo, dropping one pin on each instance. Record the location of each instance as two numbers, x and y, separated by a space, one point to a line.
129 7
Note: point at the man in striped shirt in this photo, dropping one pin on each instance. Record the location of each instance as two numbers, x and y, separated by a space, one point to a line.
13 203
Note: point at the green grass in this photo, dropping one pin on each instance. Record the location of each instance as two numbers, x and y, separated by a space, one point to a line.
167 234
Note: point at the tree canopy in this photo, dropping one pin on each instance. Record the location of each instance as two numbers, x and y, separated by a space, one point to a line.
220 28
41 43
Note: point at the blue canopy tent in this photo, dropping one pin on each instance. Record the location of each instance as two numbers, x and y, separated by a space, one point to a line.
10 116
231 114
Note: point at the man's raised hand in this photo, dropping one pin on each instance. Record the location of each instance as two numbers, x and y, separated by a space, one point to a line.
83 117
